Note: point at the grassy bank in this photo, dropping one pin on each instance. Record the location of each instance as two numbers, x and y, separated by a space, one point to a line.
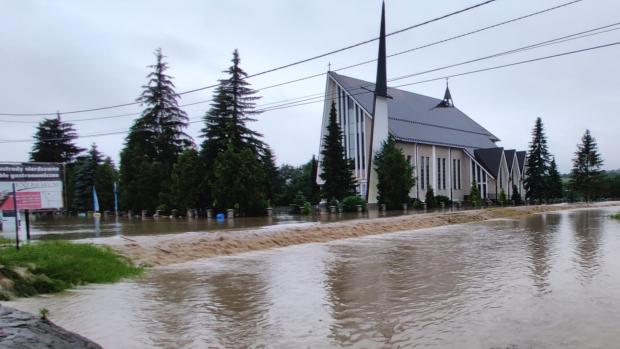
53 266
616 216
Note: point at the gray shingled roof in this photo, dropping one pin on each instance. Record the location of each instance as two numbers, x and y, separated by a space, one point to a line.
510 156
490 158
415 118
521 160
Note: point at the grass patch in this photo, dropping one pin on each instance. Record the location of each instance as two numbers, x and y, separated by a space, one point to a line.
616 216
53 266
5 241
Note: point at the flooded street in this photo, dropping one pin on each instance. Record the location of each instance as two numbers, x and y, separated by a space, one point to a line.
542 281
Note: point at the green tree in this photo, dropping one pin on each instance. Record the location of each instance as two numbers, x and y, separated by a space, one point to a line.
537 165
92 170
226 122
474 195
554 182
430 200
586 175
54 142
272 182
238 182
84 179
394 174
502 197
337 171
105 177
154 142
187 181
516 196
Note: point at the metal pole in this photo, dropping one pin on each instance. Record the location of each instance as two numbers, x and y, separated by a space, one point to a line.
16 214
64 187
27 218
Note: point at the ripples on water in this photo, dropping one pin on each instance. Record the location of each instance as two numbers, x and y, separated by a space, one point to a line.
544 281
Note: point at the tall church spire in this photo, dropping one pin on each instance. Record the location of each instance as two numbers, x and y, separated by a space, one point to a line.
381 83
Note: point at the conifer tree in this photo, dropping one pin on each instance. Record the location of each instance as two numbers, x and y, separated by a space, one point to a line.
271 173
154 142
84 179
105 177
586 175
394 174
430 200
232 108
54 142
516 196
537 165
474 195
337 171
314 191
226 125
554 182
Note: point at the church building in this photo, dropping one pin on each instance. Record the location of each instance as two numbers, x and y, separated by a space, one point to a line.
446 147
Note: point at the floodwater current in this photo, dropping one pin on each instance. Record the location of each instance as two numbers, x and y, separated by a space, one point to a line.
542 281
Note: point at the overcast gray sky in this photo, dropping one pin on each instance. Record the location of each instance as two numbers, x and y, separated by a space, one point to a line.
66 55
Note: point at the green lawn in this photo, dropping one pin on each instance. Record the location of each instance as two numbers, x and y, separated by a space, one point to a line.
53 266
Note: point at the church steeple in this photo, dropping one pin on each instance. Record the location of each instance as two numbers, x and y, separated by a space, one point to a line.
381 82
447 101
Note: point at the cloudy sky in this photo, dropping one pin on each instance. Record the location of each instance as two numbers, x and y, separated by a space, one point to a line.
68 55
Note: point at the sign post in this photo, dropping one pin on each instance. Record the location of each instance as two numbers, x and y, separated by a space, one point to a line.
30 186
16 219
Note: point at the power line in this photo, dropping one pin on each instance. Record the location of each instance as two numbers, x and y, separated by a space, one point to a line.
454 13
402 85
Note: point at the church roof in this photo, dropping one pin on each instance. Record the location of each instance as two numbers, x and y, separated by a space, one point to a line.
415 118
521 160
490 158
510 156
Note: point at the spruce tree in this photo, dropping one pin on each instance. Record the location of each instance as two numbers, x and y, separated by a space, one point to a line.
84 179
394 174
154 142
337 171
474 195
516 196
430 200
226 124
586 175
314 190
271 174
554 182
105 177
54 142
537 165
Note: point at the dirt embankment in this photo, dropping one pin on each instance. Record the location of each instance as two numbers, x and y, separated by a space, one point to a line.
169 249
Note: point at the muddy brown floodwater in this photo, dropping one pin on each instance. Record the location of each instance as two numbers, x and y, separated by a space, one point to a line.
541 281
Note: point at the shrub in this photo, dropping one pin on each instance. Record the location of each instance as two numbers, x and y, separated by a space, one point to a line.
616 216
349 204
502 198
430 198
442 198
474 195
516 196
307 208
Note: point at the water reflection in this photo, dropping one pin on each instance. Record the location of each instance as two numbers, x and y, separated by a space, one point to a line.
588 236
541 231
501 284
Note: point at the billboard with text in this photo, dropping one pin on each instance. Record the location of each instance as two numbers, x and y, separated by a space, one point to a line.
37 185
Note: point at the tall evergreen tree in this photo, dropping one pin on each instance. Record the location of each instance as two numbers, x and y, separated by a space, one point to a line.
271 173
537 165
226 122
92 170
394 174
586 175
232 108
154 142
554 182
314 192
84 179
54 142
337 171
